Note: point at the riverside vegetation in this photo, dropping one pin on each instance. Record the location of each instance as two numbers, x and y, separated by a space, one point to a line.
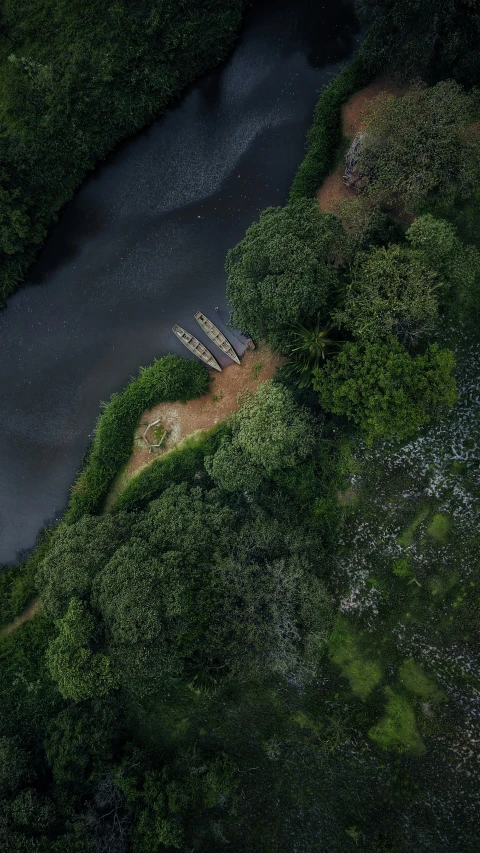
271 643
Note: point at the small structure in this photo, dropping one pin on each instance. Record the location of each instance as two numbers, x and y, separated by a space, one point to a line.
160 435
216 336
353 176
194 345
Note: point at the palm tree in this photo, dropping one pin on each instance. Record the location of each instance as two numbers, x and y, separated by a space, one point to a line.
307 348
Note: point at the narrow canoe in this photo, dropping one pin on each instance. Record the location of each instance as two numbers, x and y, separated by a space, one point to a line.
216 336
196 347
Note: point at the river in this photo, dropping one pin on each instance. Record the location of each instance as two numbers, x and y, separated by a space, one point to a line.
143 245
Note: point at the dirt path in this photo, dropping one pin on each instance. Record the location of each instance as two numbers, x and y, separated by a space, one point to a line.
333 189
183 419
17 623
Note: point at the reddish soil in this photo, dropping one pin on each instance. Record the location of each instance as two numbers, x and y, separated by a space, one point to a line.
17 623
182 419
333 189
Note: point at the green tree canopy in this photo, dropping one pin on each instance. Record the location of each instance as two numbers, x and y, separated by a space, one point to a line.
196 589
283 269
269 433
386 391
425 141
79 672
458 265
69 568
392 292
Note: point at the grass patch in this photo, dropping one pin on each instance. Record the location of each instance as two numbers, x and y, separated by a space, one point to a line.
362 673
397 730
414 679
257 366
439 528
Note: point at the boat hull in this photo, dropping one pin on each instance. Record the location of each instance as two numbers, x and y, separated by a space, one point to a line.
216 336
196 347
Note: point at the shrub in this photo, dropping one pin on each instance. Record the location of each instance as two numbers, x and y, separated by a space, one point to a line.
386 391
325 135
392 291
422 143
437 243
270 433
168 379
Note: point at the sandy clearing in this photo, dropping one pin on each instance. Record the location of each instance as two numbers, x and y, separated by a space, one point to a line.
183 419
17 623
333 189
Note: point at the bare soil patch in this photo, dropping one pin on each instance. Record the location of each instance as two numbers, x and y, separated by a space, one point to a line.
333 189
180 420
17 623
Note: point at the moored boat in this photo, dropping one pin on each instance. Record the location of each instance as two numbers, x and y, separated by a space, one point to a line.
216 336
196 347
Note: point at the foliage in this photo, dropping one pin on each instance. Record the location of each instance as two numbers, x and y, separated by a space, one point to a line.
269 434
75 80
68 569
170 378
362 672
397 729
458 265
439 527
171 592
283 269
424 38
392 292
386 391
307 348
183 464
366 224
325 135
415 680
420 143
79 672
211 690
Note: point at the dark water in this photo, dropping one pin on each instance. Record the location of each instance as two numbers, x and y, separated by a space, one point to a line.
143 246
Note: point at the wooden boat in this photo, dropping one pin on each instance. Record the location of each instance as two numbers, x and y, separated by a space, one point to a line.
216 336
196 347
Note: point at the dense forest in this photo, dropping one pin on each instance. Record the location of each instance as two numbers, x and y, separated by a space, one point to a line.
270 643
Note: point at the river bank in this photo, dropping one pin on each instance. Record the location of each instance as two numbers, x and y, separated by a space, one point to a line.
135 253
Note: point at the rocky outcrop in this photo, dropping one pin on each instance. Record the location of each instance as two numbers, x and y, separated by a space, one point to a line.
354 175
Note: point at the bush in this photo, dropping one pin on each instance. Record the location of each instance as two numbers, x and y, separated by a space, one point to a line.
325 135
422 143
168 379
184 464
270 433
437 243
384 390
393 292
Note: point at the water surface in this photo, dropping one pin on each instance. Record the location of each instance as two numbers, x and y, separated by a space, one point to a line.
143 246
